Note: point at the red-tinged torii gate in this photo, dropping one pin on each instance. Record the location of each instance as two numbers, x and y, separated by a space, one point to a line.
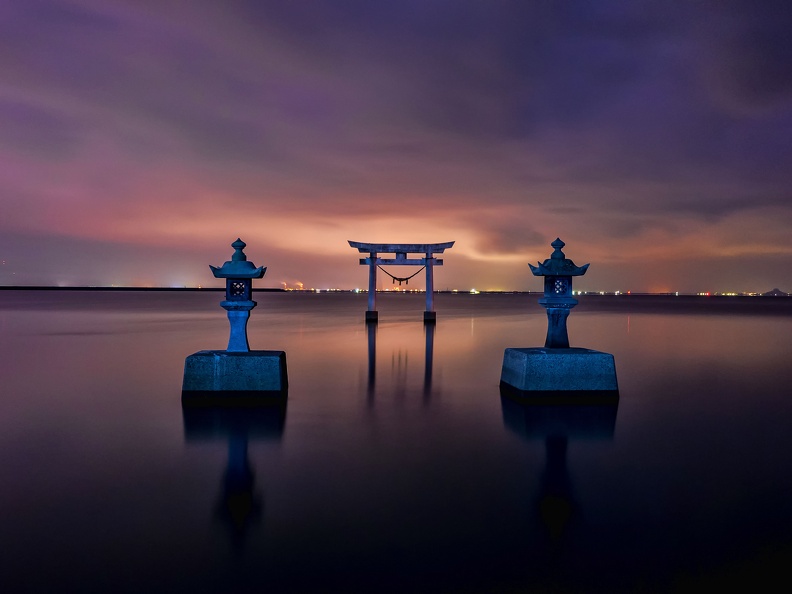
401 250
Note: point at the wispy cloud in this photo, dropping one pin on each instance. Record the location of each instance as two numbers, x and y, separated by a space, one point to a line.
501 124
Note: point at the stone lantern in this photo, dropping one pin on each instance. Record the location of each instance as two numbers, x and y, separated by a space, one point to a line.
239 275
558 300
236 375
558 371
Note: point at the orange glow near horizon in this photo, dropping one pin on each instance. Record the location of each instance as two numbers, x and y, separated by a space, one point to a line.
115 168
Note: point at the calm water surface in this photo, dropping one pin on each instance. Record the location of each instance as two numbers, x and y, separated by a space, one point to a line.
395 464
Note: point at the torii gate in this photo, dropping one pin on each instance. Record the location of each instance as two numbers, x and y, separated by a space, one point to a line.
401 250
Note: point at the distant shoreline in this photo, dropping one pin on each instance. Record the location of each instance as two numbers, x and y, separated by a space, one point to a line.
449 292
47 288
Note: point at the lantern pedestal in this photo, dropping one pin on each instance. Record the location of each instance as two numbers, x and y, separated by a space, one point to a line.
228 377
238 315
558 372
236 376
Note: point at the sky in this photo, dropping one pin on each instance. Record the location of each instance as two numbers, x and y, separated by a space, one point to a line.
140 138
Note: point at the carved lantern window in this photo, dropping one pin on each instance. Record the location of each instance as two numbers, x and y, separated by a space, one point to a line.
238 289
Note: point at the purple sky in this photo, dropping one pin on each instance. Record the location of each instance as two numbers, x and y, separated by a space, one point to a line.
139 138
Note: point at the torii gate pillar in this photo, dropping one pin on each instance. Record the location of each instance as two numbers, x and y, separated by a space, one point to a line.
371 312
429 315
401 251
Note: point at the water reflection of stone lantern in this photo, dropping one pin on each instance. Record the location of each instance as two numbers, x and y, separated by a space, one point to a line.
557 425
237 374
558 370
241 503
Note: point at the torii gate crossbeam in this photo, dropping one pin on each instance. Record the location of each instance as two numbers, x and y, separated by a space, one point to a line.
401 251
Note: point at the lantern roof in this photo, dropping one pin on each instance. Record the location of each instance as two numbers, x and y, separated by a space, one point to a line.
558 264
238 266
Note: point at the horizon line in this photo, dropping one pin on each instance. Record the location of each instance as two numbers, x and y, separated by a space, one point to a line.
772 293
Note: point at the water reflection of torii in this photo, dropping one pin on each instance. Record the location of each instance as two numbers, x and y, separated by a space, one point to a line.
401 250
429 332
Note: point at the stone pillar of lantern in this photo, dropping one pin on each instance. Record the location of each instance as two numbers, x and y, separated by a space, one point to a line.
558 301
237 374
558 370
238 274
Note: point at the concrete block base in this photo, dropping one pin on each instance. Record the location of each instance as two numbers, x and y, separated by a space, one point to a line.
559 372
223 377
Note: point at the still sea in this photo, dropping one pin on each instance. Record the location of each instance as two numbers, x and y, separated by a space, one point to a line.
395 464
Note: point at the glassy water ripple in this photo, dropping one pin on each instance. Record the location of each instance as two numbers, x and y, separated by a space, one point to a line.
395 464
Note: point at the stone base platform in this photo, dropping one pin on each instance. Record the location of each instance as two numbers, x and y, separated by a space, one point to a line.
571 372
223 377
